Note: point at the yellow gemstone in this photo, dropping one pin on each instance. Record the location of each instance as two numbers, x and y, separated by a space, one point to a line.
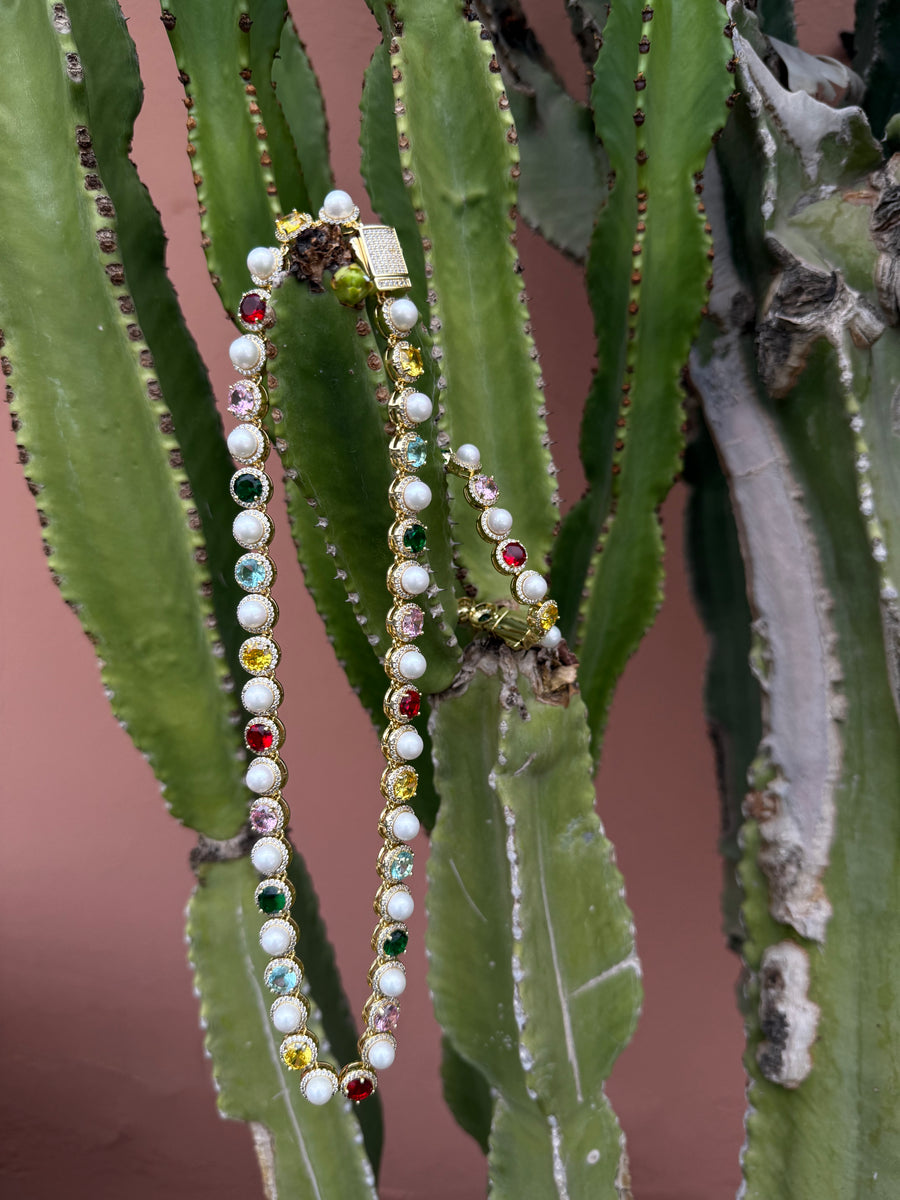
547 616
291 224
255 658
409 361
298 1056
405 783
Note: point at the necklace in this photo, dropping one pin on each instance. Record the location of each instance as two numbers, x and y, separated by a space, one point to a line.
379 264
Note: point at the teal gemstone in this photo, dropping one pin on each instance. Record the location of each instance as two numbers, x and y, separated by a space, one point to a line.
251 573
401 865
282 978
415 451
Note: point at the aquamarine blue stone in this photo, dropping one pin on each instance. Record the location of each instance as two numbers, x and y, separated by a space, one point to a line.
401 865
282 979
251 573
415 451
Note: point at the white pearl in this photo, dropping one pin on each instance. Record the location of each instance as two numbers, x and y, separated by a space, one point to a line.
405 826
337 205
404 314
533 587
551 638
243 442
258 697
249 527
261 776
400 906
268 857
319 1089
412 665
252 613
409 744
287 1016
392 982
499 521
245 354
381 1054
416 495
414 579
276 938
469 455
418 407
261 262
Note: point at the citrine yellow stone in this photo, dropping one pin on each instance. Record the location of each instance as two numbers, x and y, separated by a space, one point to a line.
297 1057
405 783
255 658
290 224
548 616
409 361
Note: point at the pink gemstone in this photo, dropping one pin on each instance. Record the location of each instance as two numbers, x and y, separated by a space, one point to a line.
483 488
243 400
264 817
386 1018
412 622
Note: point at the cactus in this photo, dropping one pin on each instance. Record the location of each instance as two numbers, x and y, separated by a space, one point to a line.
789 400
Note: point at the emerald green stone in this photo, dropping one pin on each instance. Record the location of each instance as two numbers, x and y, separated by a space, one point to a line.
248 488
395 943
414 538
272 900
351 285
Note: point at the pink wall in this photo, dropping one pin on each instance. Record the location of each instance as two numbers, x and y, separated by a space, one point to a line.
107 1090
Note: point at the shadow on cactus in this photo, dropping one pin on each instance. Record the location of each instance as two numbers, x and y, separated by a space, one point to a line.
795 368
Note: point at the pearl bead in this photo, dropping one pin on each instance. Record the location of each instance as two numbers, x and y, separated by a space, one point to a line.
533 587
261 776
245 354
338 205
416 495
261 262
287 1015
252 613
258 697
276 938
268 857
381 1054
249 527
244 442
469 455
418 407
414 579
405 826
499 521
400 906
404 314
409 744
392 982
552 638
319 1090
412 664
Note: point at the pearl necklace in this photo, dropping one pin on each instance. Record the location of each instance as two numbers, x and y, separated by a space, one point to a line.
378 253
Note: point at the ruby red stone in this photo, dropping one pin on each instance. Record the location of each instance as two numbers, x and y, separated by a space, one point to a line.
410 704
259 737
253 308
360 1089
514 554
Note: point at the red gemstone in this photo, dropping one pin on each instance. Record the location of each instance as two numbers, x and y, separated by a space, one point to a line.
259 737
253 308
360 1089
514 554
409 705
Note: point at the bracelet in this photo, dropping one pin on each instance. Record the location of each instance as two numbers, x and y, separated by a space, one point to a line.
378 255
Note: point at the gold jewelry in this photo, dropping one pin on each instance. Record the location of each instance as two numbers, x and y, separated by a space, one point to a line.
379 256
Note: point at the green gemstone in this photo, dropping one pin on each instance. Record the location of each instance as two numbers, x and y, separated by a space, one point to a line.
272 900
414 538
395 943
248 488
351 285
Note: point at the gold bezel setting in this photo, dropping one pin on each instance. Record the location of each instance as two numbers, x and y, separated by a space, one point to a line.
261 501
277 689
267 645
274 727
295 1041
276 964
